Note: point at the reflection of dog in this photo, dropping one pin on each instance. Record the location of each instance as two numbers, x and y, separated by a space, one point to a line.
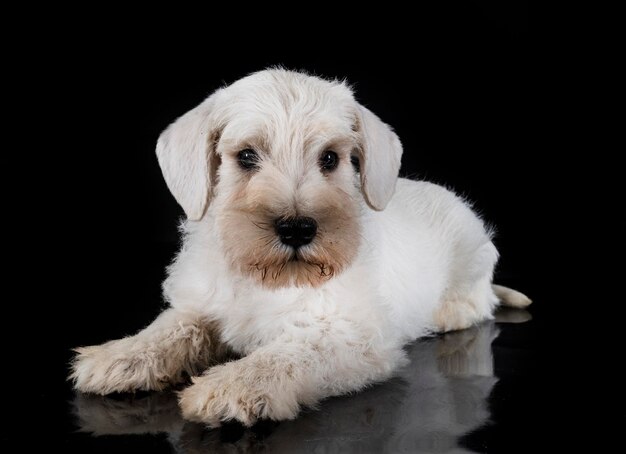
440 397
289 259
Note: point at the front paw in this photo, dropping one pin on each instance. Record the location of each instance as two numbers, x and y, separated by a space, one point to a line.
115 367
240 391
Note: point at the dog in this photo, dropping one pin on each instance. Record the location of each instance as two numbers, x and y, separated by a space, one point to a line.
304 255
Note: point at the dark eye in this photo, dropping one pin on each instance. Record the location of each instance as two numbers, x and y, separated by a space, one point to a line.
354 160
329 160
248 159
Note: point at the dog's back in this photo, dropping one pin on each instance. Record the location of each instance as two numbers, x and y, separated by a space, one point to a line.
427 242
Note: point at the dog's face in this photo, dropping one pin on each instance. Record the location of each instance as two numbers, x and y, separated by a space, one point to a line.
285 161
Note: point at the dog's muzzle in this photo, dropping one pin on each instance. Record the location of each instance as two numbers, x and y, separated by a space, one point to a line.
296 232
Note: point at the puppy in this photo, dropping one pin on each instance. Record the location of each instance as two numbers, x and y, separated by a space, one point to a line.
304 254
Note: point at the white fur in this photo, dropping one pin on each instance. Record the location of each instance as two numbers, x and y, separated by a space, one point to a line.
424 261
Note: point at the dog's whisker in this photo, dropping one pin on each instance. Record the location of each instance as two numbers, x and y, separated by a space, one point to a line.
270 241
261 225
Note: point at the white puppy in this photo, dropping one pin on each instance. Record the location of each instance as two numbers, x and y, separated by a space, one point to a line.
314 269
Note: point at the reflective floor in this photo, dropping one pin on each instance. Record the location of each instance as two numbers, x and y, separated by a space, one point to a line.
461 392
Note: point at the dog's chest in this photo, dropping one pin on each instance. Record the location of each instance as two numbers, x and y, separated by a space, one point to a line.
257 317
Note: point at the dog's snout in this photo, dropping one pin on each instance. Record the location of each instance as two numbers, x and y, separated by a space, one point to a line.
296 231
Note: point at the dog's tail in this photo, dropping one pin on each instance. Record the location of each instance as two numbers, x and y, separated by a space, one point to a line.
511 298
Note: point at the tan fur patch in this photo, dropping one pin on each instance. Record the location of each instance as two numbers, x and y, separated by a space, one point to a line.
251 388
454 315
154 359
247 226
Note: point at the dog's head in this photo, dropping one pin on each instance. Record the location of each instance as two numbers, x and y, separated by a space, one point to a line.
284 160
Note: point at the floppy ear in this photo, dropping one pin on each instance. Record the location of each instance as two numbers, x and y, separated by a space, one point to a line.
186 154
380 153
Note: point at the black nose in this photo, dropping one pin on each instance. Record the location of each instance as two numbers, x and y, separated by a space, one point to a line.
296 232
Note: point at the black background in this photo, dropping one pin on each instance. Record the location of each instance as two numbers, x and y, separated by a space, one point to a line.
458 82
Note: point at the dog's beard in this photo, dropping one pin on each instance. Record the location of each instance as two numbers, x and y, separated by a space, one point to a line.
256 251
282 265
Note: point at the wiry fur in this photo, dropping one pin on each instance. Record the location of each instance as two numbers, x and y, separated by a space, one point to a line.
176 343
393 259
439 397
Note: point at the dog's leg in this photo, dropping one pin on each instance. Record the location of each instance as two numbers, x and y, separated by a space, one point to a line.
469 298
277 379
156 357
458 312
469 308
